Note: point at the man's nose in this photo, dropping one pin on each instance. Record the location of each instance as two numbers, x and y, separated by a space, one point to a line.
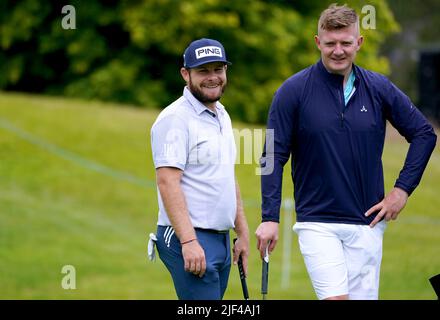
211 75
338 49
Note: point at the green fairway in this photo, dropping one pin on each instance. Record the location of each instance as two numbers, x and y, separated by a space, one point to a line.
77 187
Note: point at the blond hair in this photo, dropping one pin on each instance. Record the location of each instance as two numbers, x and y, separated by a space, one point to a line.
337 17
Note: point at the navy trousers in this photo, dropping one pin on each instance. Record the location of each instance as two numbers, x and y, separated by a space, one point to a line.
212 285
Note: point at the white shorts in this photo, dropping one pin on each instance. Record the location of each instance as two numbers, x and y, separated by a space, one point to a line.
342 259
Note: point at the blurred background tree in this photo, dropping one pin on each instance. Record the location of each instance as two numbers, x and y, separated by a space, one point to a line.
131 51
420 22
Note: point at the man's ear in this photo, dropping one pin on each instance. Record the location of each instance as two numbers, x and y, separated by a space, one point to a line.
360 41
318 42
185 74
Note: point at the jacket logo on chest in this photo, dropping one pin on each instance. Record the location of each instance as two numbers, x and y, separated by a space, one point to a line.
364 109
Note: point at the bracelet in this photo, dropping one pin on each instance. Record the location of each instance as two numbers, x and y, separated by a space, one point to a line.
182 243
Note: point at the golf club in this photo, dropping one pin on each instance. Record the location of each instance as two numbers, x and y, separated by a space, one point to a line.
242 277
265 273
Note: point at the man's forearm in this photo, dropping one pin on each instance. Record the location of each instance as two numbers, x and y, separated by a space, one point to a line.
271 186
417 158
241 226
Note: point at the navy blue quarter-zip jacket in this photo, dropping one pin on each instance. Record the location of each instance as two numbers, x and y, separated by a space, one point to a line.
336 149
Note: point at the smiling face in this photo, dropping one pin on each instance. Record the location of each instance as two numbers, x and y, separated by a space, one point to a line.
339 47
206 82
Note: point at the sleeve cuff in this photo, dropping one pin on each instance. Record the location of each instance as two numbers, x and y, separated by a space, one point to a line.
167 164
404 188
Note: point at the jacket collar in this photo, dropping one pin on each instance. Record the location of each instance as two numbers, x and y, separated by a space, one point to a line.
336 79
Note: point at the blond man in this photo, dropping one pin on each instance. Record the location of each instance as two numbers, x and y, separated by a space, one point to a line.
331 118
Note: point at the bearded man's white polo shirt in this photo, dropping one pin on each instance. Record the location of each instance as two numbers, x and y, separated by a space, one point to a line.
188 136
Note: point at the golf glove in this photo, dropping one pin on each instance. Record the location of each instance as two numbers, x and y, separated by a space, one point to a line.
151 249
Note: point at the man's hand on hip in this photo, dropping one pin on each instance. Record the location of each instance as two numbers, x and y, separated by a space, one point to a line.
389 207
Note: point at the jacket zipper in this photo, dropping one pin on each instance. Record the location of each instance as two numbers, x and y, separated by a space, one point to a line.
345 106
341 100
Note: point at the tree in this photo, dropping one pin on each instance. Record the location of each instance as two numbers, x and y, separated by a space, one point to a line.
419 21
131 51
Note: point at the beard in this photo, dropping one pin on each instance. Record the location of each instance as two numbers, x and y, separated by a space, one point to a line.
203 98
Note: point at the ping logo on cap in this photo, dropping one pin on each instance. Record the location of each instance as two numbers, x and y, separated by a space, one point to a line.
210 51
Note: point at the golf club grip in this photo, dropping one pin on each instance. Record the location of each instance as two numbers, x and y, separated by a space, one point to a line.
242 277
240 268
265 277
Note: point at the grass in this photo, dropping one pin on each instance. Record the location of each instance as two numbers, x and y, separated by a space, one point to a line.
77 188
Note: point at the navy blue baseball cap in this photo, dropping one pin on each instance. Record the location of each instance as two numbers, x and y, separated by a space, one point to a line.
204 51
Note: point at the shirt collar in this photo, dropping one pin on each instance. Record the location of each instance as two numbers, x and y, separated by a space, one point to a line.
197 105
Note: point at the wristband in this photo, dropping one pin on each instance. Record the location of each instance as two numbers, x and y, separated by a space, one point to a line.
182 243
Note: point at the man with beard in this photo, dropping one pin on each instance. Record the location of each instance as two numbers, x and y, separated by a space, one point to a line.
199 199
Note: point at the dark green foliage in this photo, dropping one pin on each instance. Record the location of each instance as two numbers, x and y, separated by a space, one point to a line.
131 51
